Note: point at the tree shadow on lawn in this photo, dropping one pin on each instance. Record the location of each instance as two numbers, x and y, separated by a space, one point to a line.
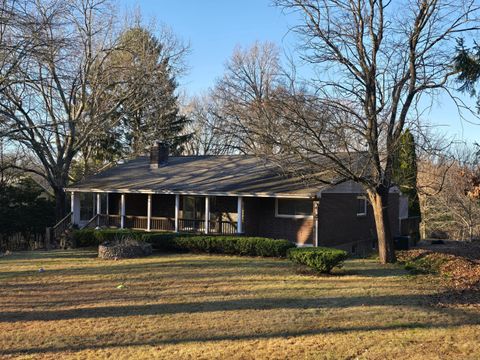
150 264
238 337
50 255
418 301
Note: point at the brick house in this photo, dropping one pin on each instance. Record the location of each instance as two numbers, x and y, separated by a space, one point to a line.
231 194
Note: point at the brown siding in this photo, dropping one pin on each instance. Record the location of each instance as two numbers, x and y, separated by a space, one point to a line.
260 220
339 225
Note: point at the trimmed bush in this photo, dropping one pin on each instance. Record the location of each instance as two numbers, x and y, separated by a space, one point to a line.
320 259
232 245
92 237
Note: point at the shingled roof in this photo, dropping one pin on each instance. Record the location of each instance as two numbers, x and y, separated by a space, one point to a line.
200 175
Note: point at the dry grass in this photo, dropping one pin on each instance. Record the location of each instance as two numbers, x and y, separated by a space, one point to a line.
207 307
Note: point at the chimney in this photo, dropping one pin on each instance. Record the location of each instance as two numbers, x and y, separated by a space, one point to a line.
158 155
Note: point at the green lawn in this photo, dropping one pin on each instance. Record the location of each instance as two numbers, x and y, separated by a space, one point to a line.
206 307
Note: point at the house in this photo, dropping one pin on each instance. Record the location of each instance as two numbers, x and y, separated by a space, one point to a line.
231 194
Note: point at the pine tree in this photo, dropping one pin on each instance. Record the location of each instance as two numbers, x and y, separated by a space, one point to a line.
152 113
405 171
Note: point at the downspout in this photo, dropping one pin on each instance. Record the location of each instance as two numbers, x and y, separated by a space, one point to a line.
316 214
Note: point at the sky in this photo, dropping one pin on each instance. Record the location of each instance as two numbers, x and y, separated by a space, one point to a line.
213 28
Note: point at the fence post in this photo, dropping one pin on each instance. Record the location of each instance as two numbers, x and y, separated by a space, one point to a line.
48 237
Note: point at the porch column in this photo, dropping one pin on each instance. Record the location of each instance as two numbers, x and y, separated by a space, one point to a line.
149 212
75 208
207 214
122 211
239 215
99 208
177 211
107 210
99 204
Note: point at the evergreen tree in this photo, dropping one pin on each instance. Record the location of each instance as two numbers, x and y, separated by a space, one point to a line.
467 64
405 171
24 210
152 113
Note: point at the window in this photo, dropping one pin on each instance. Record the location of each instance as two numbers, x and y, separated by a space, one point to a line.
293 208
361 206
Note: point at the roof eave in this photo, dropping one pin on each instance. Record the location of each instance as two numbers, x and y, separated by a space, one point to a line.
196 193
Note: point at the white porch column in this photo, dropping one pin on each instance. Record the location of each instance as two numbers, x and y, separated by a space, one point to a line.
75 208
122 211
207 214
239 215
99 204
177 211
149 212
99 208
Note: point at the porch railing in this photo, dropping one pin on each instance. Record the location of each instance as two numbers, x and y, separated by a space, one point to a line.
62 225
136 222
162 224
113 220
167 224
222 227
97 220
191 225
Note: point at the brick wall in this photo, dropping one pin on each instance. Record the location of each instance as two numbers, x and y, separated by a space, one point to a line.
339 225
260 220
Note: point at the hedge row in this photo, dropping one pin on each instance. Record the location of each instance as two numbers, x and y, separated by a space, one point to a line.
320 259
233 245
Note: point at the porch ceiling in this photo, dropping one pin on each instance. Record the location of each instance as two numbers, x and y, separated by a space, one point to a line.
200 175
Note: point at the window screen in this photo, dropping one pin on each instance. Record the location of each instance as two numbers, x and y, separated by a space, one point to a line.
361 206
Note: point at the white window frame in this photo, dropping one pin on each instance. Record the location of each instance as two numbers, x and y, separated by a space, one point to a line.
285 216
365 207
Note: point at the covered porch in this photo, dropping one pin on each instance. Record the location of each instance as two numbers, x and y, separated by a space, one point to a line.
159 212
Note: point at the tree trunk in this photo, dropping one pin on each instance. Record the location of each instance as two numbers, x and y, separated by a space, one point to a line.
60 203
386 248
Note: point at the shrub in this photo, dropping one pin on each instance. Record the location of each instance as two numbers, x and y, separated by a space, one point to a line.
84 238
93 237
233 245
320 259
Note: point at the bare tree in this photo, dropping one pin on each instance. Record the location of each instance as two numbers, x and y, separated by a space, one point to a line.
245 97
62 93
450 197
375 60
206 126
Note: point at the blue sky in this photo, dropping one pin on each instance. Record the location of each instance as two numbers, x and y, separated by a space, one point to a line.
214 27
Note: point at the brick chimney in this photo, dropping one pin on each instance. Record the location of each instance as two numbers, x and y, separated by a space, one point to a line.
158 155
